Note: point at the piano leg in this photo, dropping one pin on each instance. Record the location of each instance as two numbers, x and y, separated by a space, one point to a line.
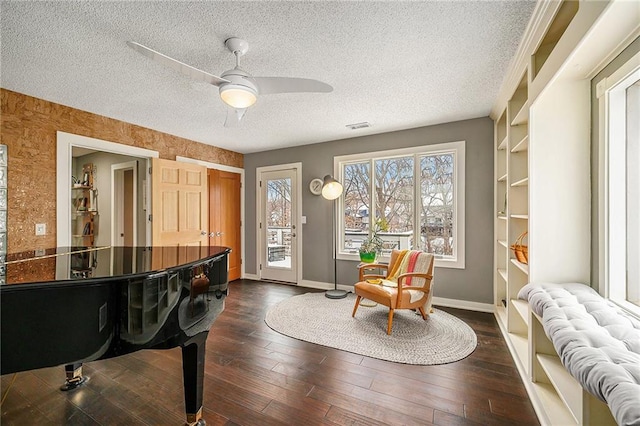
74 376
193 374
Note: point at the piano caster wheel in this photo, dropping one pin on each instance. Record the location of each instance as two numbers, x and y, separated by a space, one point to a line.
74 383
200 422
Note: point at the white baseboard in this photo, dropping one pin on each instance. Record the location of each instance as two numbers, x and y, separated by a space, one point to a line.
251 277
463 304
324 286
440 301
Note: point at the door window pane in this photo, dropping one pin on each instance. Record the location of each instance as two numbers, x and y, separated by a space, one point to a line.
278 209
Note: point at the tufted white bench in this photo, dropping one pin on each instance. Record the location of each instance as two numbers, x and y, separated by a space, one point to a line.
596 341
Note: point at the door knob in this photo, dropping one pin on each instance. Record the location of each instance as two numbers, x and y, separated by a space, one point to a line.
293 235
212 235
203 233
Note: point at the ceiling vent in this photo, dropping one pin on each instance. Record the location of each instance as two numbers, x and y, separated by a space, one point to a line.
357 126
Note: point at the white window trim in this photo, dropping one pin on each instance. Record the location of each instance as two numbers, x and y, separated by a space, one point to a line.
458 148
611 92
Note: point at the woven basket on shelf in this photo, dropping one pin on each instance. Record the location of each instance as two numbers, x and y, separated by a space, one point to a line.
520 250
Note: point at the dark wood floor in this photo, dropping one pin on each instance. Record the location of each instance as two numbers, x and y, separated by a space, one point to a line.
255 376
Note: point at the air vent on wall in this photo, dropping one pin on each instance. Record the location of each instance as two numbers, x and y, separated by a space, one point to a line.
357 126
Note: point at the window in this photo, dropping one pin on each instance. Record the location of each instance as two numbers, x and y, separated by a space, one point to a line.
417 192
621 109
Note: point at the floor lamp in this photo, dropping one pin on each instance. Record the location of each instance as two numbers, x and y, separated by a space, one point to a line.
331 190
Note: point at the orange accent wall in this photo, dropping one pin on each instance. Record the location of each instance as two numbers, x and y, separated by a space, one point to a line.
28 127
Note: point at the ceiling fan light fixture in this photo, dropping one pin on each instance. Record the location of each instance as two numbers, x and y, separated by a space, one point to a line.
237 96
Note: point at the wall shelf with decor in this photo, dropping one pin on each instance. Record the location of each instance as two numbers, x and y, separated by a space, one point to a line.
84 220
542 186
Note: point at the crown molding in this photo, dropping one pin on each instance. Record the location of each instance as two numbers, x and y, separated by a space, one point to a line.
541 18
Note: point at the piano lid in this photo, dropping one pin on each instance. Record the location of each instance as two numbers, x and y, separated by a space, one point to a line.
78 263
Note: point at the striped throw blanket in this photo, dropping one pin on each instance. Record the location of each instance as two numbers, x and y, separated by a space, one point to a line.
410 261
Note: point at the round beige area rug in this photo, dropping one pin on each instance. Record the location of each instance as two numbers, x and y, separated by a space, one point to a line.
312 317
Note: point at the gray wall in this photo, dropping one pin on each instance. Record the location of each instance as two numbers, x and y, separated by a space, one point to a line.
474 283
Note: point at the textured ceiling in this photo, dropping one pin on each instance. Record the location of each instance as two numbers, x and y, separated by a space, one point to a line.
397 65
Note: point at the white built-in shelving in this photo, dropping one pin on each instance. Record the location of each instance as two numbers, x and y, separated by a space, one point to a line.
542 184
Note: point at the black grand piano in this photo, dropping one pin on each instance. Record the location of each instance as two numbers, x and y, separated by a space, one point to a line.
67 306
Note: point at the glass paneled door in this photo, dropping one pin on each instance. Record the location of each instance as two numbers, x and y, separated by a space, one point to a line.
278 225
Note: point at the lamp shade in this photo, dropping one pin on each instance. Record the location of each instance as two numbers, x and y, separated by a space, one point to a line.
331 188
238 96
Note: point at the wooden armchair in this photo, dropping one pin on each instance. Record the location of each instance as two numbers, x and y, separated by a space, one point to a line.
406 283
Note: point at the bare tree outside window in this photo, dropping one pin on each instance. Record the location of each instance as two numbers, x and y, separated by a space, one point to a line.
417 192
394 194
437 207
279 219
279 202
357 204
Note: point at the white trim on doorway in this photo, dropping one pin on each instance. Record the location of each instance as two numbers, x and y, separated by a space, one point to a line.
259 214
65 144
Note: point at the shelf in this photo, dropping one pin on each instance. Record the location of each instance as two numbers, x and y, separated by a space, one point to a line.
522 116
521 146
521 266
502 178
559 25
520 216
503 274
503 145
521 182
556 411
521 346
82 187
522 308
503 243
568 389
502 217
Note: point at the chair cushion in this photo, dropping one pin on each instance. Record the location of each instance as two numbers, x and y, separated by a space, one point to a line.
414 295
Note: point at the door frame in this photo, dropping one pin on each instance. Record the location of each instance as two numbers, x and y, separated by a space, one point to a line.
65 144
117 186
297 167
231 169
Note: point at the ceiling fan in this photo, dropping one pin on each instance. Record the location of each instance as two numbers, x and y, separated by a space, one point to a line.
238 89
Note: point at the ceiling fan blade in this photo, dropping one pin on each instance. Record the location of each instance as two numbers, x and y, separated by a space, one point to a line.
234 115
271 85
175 65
